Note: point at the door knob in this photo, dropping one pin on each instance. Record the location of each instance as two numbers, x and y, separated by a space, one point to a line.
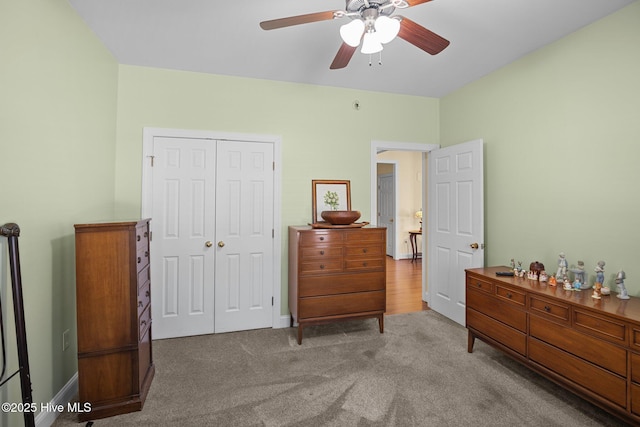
474 246
221 244
391 220
208 243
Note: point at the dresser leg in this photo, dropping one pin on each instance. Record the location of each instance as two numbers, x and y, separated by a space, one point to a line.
381 323
471 339
299 333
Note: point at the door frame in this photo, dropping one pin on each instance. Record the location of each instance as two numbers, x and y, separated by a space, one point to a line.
149 133
378 146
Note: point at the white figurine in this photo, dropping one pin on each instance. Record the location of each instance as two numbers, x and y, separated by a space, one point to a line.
543 276
600 272
579 275
562 266
622 291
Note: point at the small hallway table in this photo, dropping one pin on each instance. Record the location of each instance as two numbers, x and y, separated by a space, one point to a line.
414 244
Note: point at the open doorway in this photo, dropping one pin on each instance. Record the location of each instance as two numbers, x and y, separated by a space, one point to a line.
408 213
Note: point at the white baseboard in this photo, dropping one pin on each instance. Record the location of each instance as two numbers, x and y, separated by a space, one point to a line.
63 397
285 322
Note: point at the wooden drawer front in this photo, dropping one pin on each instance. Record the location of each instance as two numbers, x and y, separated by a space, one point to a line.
142 237
366 235
511 295
144 296
365 264
320 252
635 368
341 284
144 276
145 322
333 305
144 356
477 283
635 399
142 258
594 378
602 327
366 251
328 266
497 331
592 349
310 238
550 310
491 306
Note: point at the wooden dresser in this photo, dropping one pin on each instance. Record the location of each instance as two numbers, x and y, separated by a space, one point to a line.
336 274
590 347
115 364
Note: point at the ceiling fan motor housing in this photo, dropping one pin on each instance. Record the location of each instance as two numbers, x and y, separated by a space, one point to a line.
360 6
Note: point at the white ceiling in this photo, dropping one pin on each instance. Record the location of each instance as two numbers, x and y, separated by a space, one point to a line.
224 37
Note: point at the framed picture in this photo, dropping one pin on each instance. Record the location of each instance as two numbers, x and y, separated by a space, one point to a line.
330 195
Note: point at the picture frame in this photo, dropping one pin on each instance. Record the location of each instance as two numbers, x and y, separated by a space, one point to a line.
339 190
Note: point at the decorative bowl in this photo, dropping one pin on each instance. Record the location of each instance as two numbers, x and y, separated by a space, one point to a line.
340 217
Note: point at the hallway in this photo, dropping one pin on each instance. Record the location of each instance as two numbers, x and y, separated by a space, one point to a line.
404 286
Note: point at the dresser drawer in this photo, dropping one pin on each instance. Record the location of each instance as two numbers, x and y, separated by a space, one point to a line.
142 258
364 264
499 332
604 354
635 399
337 305
366 235
309 238
365 251
474 282
635 368
144 321
325 266
511 295
144 296
610 386
142 237
503 311
606 328
320 252
557 312
341 284
144 276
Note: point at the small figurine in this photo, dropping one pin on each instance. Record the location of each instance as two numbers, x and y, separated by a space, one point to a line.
513 265
578 273
552 280
562 265
622 290
600 272
577 285
597 291
566 284
543 276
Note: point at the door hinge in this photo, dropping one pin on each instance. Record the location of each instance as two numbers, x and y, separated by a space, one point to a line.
274 166
271 300
152 157
151 236
273 233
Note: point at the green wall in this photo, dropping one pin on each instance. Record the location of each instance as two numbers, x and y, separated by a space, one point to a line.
58 89
562 141
323 136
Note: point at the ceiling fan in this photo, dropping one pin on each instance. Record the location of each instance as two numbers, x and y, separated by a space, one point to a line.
372 25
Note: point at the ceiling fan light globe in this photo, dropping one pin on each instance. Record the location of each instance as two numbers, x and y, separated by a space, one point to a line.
371 44
387 28
351 33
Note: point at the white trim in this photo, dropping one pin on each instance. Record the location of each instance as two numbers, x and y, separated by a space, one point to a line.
63 397
148 134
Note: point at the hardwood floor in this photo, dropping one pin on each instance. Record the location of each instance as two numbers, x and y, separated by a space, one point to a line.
404 286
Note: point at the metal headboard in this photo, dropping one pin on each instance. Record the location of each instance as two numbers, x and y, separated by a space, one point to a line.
11 231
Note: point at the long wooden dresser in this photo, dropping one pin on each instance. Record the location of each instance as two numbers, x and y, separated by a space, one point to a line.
113 300
589 346
336 274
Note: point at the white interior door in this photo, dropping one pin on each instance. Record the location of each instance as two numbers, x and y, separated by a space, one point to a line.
206 192
456 224
387 209
244 234
183 216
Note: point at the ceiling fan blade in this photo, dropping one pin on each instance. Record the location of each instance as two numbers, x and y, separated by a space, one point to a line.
416 2
422 38
343 56
297 20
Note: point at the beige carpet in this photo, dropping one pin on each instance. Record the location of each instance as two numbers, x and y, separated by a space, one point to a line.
418 373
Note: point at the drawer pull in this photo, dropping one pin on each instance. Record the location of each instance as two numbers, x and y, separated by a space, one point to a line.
321 266
364 250
364 264
139 303
144 322
478 284
146 293
321 237
139 260
146 233
321 252
509 295
146 254
547 308
138 237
